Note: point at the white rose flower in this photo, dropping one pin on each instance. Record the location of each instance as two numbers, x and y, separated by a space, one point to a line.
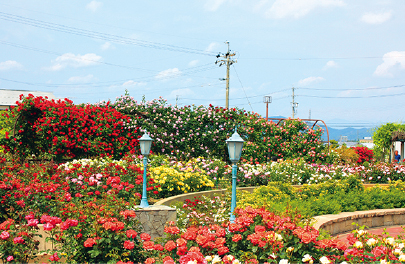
371 242
358 244
361 232
307 258
397 251
390 241
216 259
324 260
401 258
284 261
289 249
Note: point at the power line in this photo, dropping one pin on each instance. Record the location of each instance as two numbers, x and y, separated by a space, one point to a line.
352 89
101 24
322 58
352 97
242 88
99 35
190 70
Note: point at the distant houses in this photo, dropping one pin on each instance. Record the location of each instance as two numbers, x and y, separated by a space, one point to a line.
366 141
9 97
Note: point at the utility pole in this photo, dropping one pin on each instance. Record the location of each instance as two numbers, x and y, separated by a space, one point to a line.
177 98
228 61
294 104
267 101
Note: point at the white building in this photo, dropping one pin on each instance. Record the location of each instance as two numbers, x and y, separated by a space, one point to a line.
9 97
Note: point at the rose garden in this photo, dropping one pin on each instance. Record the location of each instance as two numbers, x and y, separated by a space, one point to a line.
76 171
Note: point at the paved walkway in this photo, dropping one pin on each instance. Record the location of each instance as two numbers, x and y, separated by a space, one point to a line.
393 231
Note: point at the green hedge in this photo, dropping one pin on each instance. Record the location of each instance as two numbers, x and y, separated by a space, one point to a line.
330 197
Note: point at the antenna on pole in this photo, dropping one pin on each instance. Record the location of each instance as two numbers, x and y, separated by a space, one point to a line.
226 60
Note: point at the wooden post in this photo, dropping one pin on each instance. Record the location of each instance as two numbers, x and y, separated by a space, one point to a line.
402 150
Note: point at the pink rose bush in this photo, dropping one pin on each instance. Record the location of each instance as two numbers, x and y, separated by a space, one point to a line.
18 243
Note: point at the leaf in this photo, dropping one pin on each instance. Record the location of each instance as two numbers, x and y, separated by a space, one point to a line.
94 253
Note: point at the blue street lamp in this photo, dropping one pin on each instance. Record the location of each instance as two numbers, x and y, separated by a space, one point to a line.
145 142
235 144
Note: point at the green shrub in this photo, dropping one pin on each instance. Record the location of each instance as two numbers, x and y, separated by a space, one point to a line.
331 197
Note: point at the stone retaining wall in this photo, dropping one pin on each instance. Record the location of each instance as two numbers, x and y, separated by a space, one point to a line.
154 218
342 223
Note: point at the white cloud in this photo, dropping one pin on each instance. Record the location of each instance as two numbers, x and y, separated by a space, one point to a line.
394 60
376 18
107 46
213 5
169 73
93 6
309 80
297 8
9 65
212 47
132 83
193 63
181 93
330 64
82 79
76 61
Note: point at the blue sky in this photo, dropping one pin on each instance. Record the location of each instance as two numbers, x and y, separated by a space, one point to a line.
345 59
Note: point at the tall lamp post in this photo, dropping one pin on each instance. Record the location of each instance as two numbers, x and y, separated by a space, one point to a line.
235 144
145 142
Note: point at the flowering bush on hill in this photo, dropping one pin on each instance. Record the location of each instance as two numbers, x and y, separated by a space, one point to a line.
61 129
194 131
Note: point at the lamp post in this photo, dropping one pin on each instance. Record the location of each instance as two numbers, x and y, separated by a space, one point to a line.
145 142
235 144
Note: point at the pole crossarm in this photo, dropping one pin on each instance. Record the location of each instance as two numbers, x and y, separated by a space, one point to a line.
226 59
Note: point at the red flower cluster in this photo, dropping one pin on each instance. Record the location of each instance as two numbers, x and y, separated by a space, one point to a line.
90 242
63 129
111 224
365 154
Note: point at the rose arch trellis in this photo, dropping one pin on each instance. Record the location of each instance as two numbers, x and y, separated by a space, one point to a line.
307 122
397 136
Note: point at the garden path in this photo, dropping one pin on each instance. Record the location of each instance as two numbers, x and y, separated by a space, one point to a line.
393 231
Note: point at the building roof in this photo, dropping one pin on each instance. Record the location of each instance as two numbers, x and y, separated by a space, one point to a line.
9 97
